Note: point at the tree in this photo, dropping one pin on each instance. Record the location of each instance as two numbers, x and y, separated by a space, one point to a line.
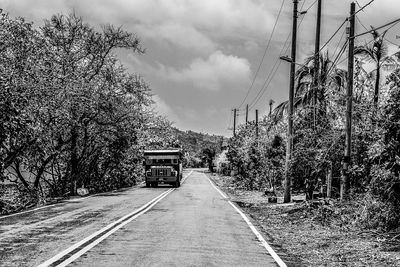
20 90
81 67
330 79
377 54
209 156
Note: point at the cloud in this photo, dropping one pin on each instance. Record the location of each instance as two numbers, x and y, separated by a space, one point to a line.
251 46
214 73
188 24
164 109
178 35
176 115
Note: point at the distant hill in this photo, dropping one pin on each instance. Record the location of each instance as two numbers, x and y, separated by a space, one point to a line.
193 142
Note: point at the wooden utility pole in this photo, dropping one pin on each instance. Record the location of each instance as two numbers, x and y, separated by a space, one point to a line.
247 114
315 85
256 123
234 122
345 181
289 143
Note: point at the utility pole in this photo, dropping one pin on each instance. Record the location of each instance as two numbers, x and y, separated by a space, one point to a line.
256 123
234 122
316 62
247 114
345 183
289 143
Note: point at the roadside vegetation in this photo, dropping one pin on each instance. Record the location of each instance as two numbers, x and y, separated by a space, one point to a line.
71 115
254 163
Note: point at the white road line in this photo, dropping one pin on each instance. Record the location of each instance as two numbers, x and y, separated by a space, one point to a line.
82 251
26 211
184 178
75 246
260 238
69 200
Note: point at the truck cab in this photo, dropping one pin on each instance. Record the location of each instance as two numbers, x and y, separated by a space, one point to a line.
163 167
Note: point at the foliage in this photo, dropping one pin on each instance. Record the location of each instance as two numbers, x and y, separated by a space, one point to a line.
382 210
256 162
319 136
71 115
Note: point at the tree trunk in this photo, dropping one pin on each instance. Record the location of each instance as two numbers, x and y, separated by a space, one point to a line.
377 81
19 174
74 160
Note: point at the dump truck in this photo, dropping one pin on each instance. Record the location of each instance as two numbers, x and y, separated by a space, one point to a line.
163 167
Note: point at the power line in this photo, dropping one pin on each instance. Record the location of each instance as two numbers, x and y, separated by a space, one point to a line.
359 21
333 35
367 43
275 67
339 55
340 40
327 42
271 74
362 8
341 25
380 27
265 52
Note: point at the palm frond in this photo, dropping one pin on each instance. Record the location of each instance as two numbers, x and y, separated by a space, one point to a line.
366 52
302 88
305 100
279 111
389 63
340 78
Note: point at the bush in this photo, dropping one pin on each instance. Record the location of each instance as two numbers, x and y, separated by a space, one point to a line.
380 204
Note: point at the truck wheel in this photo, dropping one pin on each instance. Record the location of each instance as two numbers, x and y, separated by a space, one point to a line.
178 184
147 184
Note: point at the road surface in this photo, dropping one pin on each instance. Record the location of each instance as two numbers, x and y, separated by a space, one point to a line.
194 225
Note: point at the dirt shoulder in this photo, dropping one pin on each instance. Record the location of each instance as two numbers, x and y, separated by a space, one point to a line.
314 234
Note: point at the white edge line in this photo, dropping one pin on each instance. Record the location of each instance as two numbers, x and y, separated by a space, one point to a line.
68 200
73 247
26 211
97 241
184 178
275 256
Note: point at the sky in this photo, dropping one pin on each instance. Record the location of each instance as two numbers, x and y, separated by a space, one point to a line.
204 56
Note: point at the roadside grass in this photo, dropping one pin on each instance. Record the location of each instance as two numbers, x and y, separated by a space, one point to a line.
323 233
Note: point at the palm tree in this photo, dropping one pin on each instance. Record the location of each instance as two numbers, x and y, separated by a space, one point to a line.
376 53
329 76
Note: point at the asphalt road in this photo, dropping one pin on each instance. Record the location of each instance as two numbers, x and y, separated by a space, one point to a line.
193 225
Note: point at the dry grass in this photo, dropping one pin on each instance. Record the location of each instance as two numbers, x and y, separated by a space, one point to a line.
316 234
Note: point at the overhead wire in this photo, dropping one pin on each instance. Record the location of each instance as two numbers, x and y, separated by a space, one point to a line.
276 65
341 25
363 7
265 52
330 39
392 23
338 56
389 41
340 40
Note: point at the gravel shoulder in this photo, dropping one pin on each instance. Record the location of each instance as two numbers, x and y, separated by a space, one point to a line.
314 234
